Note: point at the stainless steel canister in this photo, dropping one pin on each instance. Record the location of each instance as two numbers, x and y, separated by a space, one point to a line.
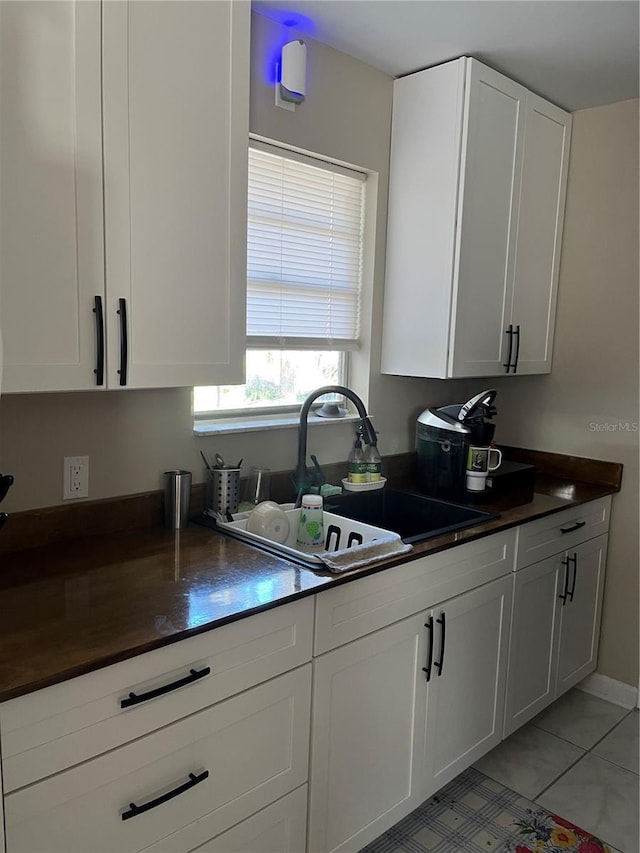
177 497
223 489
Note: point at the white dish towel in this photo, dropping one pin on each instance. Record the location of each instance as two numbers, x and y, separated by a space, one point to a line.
359 556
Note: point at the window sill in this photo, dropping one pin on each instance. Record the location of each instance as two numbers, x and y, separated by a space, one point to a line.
258 423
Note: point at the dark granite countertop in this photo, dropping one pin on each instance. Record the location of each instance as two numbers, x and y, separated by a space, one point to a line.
74 606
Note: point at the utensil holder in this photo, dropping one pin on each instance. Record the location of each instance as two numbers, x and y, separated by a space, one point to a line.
177 498
223 489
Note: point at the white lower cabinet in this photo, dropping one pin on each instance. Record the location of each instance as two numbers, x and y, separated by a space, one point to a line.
368 724
534 642
215 767
555 629
467 683
580 620
402 711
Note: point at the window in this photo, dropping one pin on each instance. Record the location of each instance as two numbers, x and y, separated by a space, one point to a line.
304 278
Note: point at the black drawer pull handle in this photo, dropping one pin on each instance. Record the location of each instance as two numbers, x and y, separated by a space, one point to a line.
194 780
565 593
427 669
573 527
439 663
124 342
515 364
99 369
354 538
137 698
509 332
575 575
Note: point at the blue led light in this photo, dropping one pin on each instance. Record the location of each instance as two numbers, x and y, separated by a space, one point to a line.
291 20
292 25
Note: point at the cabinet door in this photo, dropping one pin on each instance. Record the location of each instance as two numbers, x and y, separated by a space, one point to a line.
368 719
580 622
489 197
51 263
466 692
535 622
539 240
176 90
426 131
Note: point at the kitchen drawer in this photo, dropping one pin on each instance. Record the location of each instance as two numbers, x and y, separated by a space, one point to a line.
539 539
280 828
349 611
255 747
54 728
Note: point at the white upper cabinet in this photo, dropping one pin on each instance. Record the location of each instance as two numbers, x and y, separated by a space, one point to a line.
476 198
540 219
162 124
485 248
176 123
51 246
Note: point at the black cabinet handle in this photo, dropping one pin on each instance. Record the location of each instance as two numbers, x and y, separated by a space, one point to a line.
573 527
429 626
564 593
509 332
517 334
3 519
439 663
124 342
137 698
99 369
194 780
573 559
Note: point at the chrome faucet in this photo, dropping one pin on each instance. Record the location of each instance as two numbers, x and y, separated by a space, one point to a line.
368 432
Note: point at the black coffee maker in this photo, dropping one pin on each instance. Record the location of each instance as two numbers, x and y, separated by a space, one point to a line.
443 438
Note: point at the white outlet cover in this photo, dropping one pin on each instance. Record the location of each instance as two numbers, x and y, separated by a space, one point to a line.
75 477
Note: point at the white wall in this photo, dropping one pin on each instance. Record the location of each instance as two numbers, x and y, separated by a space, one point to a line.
592 393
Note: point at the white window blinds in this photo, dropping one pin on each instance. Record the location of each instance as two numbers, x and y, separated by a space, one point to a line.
304 253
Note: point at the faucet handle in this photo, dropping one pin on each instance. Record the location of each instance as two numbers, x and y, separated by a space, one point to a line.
368 432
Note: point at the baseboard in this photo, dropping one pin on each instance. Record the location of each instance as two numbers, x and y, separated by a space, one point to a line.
618 692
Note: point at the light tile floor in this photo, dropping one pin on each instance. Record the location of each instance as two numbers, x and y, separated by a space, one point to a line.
579 759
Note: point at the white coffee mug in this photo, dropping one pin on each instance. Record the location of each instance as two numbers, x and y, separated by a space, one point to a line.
479 464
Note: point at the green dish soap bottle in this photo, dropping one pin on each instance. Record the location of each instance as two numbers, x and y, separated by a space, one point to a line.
373 462
357 463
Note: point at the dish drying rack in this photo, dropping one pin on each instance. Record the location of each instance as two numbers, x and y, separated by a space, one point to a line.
339 532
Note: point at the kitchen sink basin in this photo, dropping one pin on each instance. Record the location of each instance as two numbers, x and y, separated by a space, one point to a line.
413 517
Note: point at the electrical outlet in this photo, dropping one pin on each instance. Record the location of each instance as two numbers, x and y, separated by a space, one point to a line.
76 477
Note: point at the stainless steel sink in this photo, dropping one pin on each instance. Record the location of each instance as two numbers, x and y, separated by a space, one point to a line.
413 517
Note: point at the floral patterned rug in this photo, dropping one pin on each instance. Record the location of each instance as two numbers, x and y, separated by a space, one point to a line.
475 814
542 832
